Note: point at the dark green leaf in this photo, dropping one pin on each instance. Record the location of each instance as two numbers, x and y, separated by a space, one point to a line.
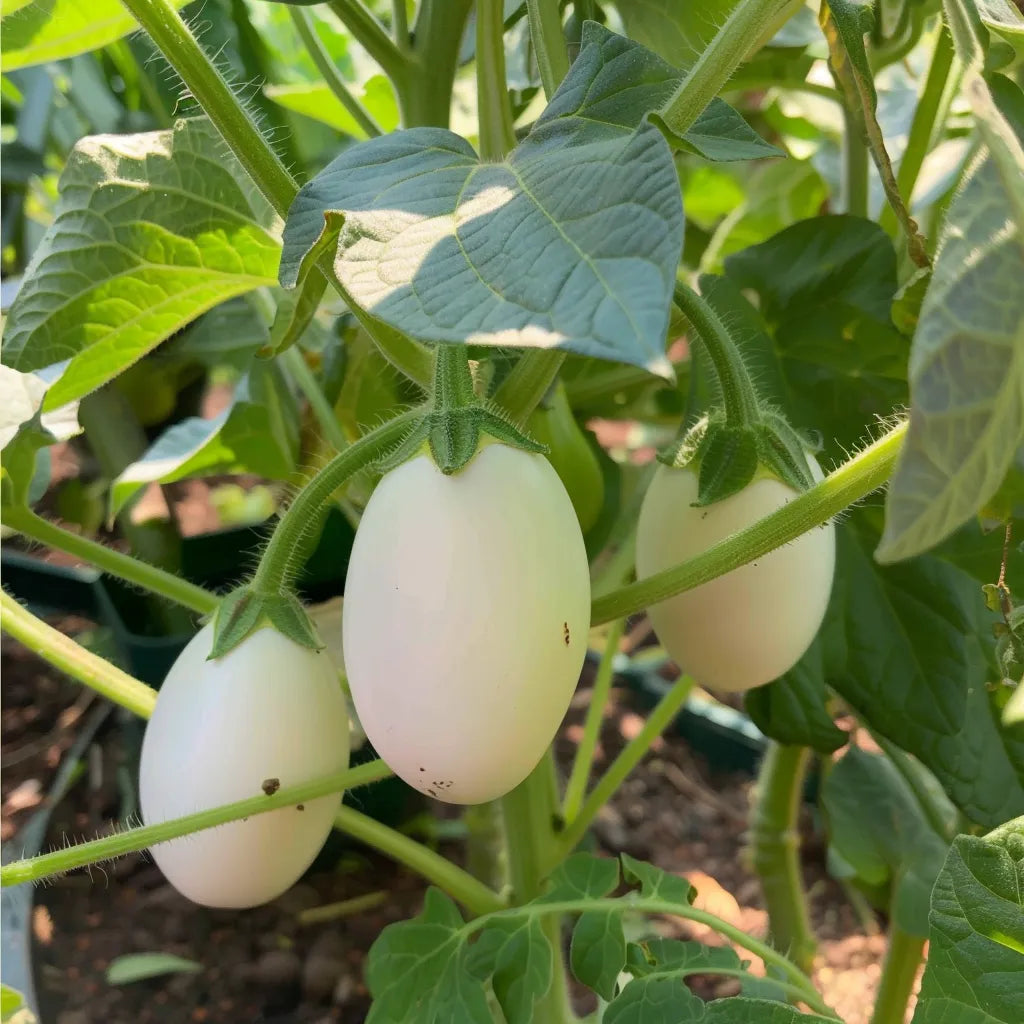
516 955
655 1000
582 876
658 956
598 951
976 951
677 31
758 1011
229 335
655 883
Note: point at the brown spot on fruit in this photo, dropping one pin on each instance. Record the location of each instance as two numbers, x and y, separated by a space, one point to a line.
565 633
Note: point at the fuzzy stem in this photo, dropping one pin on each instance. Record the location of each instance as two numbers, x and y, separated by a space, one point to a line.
583 762
899 972
854 191
130 840
459 884
303 22
738 394
855 478
527 383
776 843
629 757
548 43
277 561
497 132
123 566
63 653
719 59
370 34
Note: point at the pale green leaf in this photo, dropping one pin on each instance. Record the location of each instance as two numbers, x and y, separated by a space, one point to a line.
34 31
123 970
315 100
675 29
151 231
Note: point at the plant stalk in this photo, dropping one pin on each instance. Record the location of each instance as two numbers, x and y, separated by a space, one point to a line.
63 653
776 848
438 37
854 194
548 43
899 972
497 132
306 380
460 885
853 480
370 34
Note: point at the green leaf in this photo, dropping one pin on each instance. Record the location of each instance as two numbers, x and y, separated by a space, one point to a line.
123 970
976 948
659 956
572 242
679 32
257 434
316 100
655 1000
877 826
11 1001
655 883
913 666
758 1011
598 951
966 370
35 31
229 335
516 955
151 231
581 876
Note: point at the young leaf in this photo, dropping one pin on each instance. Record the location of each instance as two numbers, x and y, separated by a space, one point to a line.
151 231
655 883
581 876
516 955
123 970
661 956
976 949
966 370
598 951
316 100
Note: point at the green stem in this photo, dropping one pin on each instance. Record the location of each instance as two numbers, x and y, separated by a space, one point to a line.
124 567
929 115
902 959
438 36
497 132
930 808
36 868
719 59
629 757
582 763
459 884
343 908
304 377
548 43
854 191
400 24
529 812
854 479
63 653
738 394
370 34
202 79
776 848
527 383
277 561
303 22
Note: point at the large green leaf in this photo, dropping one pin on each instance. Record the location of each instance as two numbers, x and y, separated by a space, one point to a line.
678 30
151 231
257 434
966 369
45 30
877 826
976 950
571 242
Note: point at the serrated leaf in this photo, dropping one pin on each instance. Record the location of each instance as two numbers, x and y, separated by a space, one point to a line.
257 434
656 884
966 371
740 1010
37 31
151 231
316 100
656 956
598 951
516 955
877 826
123 970
976 940
582 876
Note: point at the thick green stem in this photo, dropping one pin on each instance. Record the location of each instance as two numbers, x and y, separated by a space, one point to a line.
629 757
460 885
719 59
548 43
278 560
438 35
303 22
497 132
854 479
854 191
530 812
63 653
527 383
304 377
929 115
400 24
738 394
124 567
582 763
370 34
776 848
899 972
36 868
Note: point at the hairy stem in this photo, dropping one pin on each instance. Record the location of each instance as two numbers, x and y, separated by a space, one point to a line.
63 653
855 478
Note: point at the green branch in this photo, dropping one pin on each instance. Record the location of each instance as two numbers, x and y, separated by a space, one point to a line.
48 864
63 653
899 972
548 43
853 480
459 884
494 112
115 563
370 34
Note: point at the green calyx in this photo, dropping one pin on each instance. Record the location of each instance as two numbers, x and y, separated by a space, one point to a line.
727 457
244 611
452 426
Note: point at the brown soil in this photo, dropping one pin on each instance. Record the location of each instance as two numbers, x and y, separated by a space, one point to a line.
265 965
